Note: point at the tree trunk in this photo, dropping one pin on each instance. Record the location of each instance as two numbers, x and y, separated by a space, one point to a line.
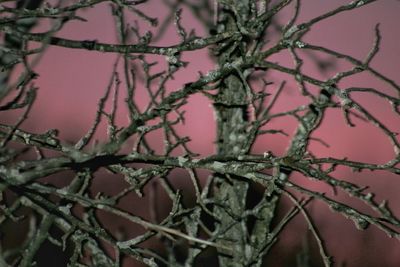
231 106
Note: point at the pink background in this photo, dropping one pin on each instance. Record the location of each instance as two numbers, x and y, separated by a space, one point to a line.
72 81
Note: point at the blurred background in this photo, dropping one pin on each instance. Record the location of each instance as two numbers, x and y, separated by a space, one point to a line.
72 81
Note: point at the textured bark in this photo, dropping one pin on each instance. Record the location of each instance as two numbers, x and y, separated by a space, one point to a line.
231 107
